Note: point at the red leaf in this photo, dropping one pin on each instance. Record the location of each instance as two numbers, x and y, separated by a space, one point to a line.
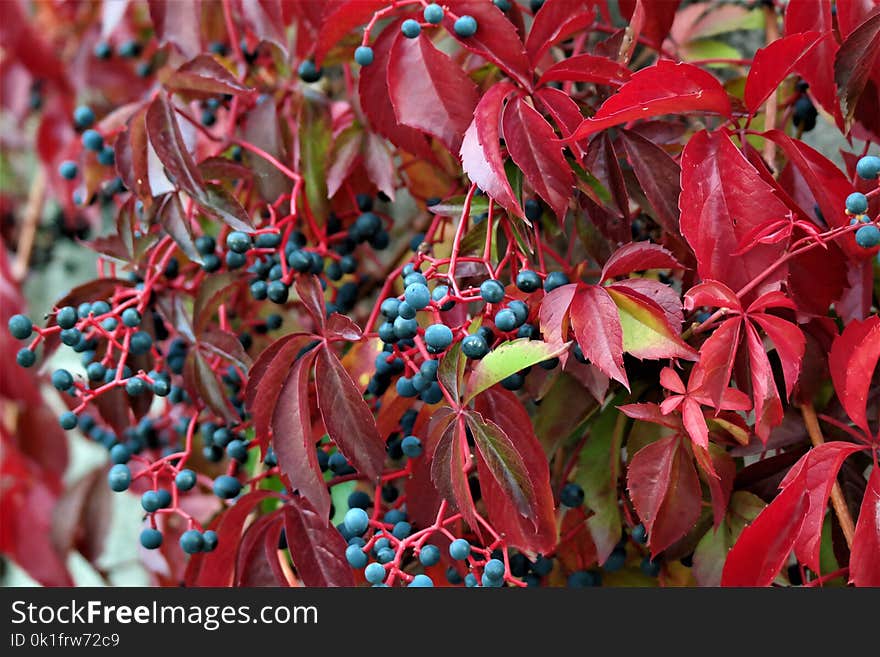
817 66
448 465
763 547
217 568
658 18
379 164
596 326
165 136
539 534
556 20
723 198
650 335
864 566
179 23
317 548
554 313
201 383
773 64
587 68
205 75
258 563
713 294
429 91
560 106
852 361
664 88
534 149
311 295
175 223
717 354
851 14
266 379
665 491
340 326
855 62
663 295
481 156
342 19
496 39
720 472
650 413
348 419
265 19
601 161
768 406
819 472
638 256
789 342
376 101
292 437
659 176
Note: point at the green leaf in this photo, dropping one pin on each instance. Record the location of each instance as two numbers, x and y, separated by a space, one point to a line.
710 49
455 206
509 358
646 331
504 462
711 552
451 371
597 473
315 137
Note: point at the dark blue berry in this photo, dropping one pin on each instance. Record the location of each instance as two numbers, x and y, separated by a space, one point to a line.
93 140
151 538
20 326
119 477
459 549
308 72
209 541
555 279
856 203
25 357
474 347
62 379
191 541
226 487
433 14
572 495
429 555
492 291
65 318
68 420
465 26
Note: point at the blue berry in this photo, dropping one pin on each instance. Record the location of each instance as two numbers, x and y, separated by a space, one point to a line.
856 203
151 538
649 567
417 295
470 580
102 50
237 449
65 317
492 291
68 420
465 26
135 387
185 480
405 328
68 170
308 72
401 530
130 49
119 477
20 326
868 236
359 500
410 28
640 534
494 569
356 521
92 140
405 388
520 309
868 167
503 5
433 395
528 281
615 561
120 453
267 240
533 210
433 14
107 157
421 581
438 337
226 487
439 294
555 279
238 241
62 379
83 117
411 446
140 343
278 292
150 501
375 573
385 555
363 55
406 311
581 579
191 541
355 556
25 357
429 555
474 347
131 317
209 541
459 549
572 495
505 320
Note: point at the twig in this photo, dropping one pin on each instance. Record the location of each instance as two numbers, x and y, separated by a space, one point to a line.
31 220
772 34
837 500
